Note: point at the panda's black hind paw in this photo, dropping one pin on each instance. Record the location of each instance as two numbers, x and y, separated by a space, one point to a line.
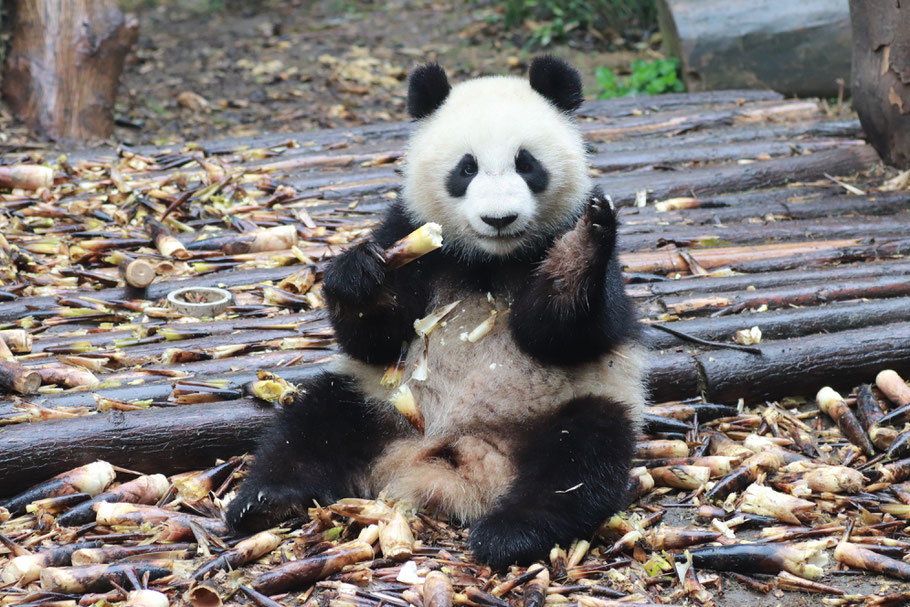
257 506
500 540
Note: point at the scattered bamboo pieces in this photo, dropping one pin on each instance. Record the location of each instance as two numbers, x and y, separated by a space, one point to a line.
766 258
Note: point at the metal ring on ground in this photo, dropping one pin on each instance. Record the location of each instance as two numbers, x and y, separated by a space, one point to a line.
214 301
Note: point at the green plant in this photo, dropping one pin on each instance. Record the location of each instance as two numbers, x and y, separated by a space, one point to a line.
553 19
647 78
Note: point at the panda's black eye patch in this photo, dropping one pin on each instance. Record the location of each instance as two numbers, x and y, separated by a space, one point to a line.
460 177
531 171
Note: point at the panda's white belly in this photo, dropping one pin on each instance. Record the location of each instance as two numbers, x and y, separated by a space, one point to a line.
475 399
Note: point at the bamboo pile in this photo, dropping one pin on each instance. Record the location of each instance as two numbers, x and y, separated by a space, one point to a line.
763 242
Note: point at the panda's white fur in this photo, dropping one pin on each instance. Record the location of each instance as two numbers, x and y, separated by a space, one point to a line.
492 118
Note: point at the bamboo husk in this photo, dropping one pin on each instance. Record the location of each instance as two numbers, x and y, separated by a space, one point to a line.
768 502
659 449
834 405
747 472
146 598
95 578
140 490
437 590
71 377
893 387
164 241
26 176
863 558
107 554
806 559
26 568
403 400
681 477
671 538
193 487
395 538
92 479
535 593
18 340
311 569
204 595
244 552
423 240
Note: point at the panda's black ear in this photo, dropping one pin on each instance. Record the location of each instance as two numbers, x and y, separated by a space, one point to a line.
428 87
558 81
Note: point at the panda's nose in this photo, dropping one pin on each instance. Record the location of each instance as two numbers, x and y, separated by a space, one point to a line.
499 222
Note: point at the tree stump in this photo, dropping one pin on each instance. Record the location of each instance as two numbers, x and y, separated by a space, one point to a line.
796 48
64 63
881 75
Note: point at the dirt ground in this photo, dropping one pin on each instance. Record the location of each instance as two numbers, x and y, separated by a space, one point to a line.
200 72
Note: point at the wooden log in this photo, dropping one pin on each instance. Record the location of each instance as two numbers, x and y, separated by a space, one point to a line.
162 441
137 273
691 285
799 366
17 378
654 235
704 181
64 63
813 293
763 258
161 390
881 76
787 323
796 48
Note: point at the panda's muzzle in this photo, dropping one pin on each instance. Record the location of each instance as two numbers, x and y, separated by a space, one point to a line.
499 222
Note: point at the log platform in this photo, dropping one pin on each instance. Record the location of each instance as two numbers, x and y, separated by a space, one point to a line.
739 209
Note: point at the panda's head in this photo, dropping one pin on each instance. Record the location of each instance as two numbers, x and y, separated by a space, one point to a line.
497 161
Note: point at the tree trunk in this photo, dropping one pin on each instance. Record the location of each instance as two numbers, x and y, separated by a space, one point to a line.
881 75
64 65
796 48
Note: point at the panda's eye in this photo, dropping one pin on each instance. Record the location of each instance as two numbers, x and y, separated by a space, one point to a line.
524 162
468 166
461 176
532 171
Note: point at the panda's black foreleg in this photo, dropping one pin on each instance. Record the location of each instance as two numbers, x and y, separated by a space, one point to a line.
572 473
315 450
575 307
372 307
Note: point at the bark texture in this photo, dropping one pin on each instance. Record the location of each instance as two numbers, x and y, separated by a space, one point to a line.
64 65
881 75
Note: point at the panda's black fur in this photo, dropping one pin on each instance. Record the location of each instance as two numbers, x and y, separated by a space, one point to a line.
525 472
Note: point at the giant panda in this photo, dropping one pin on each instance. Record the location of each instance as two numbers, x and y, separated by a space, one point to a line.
529 430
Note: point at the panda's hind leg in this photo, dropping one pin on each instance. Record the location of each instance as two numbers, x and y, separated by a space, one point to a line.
316 449
572 473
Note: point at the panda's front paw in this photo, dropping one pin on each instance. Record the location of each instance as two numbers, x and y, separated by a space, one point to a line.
500 540
257 507
600 221
356 276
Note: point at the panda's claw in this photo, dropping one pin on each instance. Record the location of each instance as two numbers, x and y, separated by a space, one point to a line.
257 509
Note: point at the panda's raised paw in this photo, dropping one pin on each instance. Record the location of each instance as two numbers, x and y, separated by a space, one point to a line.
257 507
600 216
356 275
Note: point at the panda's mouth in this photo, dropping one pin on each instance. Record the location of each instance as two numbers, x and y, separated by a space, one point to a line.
499 237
